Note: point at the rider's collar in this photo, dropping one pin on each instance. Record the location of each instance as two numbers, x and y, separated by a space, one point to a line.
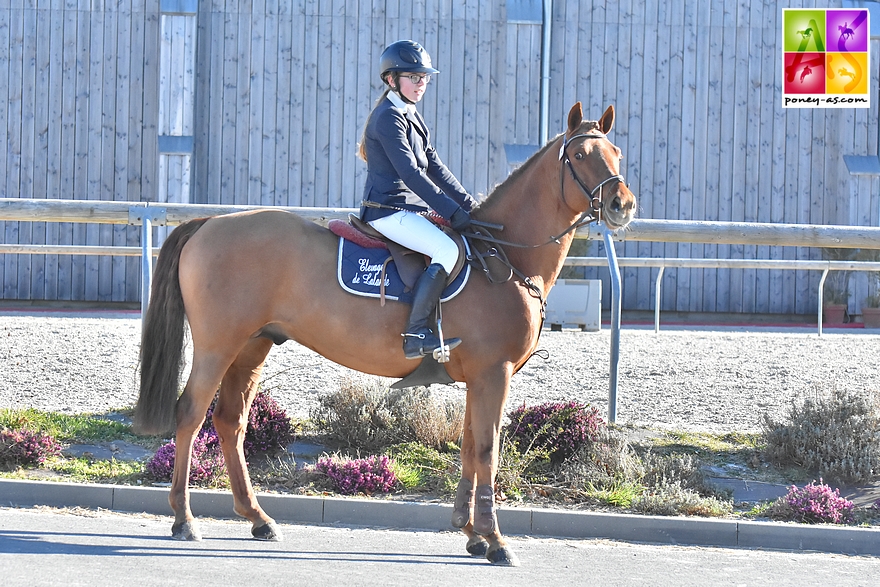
400 104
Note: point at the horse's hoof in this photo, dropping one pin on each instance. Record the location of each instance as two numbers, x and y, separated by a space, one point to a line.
502 557
476 546
185 531
267 532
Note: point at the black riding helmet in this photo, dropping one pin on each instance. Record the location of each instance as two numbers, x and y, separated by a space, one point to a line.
405 57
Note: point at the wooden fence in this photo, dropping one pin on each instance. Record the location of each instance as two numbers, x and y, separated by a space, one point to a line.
263 102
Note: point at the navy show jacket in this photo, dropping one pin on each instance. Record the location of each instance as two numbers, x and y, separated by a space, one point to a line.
403 169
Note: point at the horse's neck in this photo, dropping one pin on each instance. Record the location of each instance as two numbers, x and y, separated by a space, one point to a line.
532 211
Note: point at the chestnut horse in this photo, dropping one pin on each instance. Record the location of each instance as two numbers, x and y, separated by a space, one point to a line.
251 279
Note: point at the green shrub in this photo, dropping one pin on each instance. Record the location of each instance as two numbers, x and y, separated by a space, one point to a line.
672 499
422 468
607 460
835 435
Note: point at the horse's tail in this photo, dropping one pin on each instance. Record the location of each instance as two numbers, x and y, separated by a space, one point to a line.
162 341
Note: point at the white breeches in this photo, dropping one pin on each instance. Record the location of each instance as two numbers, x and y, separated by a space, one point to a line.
416 232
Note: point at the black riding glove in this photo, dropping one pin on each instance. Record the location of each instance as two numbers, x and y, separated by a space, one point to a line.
460 220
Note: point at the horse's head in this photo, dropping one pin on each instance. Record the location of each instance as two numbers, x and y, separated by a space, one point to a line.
593 172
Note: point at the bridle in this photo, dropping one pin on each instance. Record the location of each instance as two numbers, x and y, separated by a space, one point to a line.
591 214
594 212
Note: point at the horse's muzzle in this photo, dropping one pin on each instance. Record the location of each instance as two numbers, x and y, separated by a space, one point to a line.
620 209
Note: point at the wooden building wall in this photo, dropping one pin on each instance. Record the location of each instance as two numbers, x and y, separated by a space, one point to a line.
263 102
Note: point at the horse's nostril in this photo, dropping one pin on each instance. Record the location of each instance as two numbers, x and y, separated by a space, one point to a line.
615 205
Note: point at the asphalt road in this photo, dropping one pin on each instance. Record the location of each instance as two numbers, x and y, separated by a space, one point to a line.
45 546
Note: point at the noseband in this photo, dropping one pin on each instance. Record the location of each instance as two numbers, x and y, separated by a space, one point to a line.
594 212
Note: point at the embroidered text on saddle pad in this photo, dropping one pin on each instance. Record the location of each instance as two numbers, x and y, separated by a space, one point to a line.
359 271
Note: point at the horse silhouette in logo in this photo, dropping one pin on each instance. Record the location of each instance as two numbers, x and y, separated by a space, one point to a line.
844 72
806 71
805 34
845 31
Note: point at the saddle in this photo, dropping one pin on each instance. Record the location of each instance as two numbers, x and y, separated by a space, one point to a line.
410 264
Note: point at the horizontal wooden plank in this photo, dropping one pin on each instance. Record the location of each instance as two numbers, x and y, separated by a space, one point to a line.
682 231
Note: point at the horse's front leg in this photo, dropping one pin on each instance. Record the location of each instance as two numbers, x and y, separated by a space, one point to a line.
237 393
475 498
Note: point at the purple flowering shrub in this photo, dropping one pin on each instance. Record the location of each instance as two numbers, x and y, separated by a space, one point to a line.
23 447
206 464
370 475
558 428
813 504
269 431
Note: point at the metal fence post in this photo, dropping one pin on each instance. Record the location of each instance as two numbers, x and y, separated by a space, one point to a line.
147 215
616 299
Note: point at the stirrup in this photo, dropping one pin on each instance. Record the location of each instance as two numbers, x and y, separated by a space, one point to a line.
441 353
439 350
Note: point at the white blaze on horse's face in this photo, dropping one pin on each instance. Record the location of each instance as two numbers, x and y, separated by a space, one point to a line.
595 165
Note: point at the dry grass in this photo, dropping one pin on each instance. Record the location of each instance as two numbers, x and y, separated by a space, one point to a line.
370 417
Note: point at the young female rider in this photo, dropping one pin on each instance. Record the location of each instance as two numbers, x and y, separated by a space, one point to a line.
405 177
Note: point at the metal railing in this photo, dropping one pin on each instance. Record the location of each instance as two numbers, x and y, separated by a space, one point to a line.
684 263
148 215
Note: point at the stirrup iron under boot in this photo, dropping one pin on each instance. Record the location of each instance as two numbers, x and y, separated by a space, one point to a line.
418 340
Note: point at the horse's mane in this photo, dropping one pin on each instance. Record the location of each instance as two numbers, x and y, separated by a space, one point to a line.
499 189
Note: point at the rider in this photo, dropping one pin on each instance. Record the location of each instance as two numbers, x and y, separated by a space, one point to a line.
405 177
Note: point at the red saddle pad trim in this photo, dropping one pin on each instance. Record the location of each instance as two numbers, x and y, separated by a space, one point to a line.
345 230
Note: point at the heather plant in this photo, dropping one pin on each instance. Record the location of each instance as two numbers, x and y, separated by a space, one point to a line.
206 465
834 434
26 448
559 428
369 475
368 416
813 504
269 430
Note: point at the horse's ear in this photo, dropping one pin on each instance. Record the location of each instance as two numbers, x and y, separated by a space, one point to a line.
607 120
575 117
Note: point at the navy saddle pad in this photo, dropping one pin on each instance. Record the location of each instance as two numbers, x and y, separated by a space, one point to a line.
359 271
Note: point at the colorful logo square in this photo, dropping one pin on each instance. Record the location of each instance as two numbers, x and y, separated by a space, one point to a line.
825 58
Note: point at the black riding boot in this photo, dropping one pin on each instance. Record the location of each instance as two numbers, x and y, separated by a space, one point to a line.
419 340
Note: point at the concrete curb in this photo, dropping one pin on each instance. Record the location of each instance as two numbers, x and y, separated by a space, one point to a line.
432 516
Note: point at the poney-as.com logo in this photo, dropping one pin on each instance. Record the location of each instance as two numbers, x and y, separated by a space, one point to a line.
825 58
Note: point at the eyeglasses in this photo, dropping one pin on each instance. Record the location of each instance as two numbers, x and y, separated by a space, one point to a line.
416 78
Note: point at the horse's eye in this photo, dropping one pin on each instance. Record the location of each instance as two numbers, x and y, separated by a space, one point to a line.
579 156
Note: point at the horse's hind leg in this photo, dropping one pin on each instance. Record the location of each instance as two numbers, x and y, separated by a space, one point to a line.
237 392
207 370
